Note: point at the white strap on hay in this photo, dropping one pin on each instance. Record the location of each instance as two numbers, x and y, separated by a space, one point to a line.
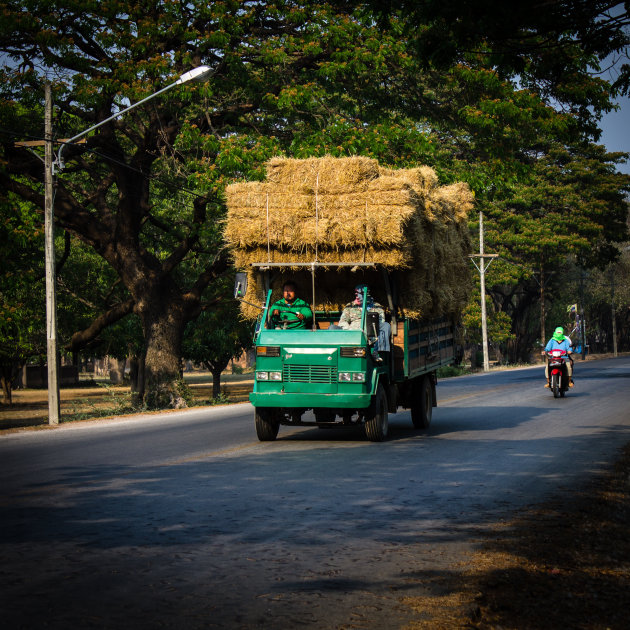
268 241
316 215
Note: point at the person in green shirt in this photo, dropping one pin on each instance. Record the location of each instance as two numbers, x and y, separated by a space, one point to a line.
291 309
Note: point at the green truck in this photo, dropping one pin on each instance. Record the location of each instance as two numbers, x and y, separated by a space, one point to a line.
335 373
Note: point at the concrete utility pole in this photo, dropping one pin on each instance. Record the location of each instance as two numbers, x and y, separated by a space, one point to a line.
582 321
482 267
49 246
612 308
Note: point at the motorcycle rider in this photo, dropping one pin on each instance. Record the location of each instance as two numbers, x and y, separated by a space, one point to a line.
559 341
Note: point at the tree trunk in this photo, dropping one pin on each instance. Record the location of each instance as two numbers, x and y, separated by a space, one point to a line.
8 374
137 394
7 390
117 370
163 320
134 372
216 383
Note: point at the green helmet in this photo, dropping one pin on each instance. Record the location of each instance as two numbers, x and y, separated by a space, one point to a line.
558 334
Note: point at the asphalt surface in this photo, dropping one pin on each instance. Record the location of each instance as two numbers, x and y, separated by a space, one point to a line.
185 520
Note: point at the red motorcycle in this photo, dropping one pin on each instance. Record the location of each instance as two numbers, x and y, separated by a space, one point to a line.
558 372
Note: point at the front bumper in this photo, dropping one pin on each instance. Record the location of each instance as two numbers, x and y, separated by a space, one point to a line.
310 401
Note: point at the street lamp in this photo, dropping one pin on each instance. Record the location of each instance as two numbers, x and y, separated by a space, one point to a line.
202 73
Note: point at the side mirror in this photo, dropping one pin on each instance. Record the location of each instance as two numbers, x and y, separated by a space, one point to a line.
373 324
240 285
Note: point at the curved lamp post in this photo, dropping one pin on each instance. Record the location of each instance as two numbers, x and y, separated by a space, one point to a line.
202 73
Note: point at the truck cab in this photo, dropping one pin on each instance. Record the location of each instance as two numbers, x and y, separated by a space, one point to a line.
345 376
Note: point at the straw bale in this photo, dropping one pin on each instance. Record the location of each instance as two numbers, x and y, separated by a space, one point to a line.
391 258
420 177
328 174
258 216
400 219
452 202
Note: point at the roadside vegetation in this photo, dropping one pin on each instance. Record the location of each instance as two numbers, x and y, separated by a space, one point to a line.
98 399
508 101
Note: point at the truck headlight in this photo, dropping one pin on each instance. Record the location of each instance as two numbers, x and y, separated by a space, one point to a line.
344 377
275 376
358 377
262 376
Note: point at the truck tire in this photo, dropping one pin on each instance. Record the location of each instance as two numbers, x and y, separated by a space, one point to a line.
422 404
266 423
376 421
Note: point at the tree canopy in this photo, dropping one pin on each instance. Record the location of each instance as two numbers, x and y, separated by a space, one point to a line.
508 101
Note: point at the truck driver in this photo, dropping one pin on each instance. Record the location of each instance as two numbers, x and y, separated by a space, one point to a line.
290 311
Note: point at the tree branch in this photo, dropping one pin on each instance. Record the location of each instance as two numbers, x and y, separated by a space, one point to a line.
218 266
82 338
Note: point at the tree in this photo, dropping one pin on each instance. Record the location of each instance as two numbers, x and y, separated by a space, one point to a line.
543 42
570 208
300 78
609 290
215 338
498 324
145 192
22 321
268 59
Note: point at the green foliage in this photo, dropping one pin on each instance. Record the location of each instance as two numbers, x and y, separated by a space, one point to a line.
427 84
572 204
217 337
499 323
221 399
116 403
22 289
185 392
448 371
549 46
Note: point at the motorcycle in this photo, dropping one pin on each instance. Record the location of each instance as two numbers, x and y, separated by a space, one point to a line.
558 372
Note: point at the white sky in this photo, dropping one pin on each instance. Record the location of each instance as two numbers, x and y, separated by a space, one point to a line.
616 131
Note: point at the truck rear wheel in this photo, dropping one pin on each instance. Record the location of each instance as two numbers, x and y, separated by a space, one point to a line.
377 423
422 404
266 423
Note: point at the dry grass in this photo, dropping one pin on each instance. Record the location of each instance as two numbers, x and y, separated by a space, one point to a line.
328 174
30 407
353 210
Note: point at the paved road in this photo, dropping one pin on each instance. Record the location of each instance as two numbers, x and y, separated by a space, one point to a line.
185 520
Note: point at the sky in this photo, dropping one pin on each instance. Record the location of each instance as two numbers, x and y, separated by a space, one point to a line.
616 131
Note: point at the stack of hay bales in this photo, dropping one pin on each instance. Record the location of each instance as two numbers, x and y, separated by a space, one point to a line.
352 210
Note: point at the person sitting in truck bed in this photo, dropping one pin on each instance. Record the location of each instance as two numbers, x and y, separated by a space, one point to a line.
290 309
351 316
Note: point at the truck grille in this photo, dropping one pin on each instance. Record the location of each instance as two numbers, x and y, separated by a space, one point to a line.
309 374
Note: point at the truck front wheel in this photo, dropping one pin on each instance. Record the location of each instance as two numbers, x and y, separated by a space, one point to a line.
422 404
376 421
267 424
